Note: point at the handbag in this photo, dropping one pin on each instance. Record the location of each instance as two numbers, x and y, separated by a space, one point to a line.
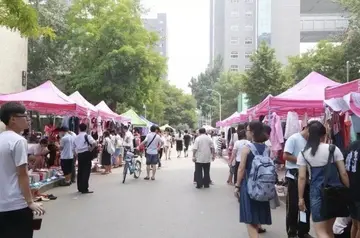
335 199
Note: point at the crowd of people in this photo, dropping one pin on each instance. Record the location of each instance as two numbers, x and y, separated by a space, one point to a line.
322 180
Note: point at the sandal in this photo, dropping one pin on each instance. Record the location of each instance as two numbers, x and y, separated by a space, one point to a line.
146 178
152 178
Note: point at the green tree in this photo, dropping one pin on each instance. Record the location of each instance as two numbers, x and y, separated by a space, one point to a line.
229 87
327 59
17 15
264 77
48 58
204 82
114 57
180 108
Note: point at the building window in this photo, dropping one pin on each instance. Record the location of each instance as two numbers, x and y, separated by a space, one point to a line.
248 13
234 1
234 54
247 55
234 68
248 1
234 28
249 28
235 14
247 67
161 22
248 41
234 41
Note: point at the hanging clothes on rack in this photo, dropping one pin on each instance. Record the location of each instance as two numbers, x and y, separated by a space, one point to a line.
292 124
276 135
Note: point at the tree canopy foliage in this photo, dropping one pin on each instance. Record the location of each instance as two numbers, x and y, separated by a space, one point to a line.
264 77
103 50
20 16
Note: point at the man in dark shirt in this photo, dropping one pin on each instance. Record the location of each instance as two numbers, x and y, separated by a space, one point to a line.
352 166
187 139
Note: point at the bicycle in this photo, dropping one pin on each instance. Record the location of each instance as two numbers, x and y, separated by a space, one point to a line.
132 164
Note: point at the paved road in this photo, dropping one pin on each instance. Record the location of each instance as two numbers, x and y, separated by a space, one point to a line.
169 207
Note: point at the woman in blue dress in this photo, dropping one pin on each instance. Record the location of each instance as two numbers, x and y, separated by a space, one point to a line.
252 213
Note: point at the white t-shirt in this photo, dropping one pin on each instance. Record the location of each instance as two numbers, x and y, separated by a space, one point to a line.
119 141
67 145
80 144
167 140
203 146
152 149
238 146
321 156
13 153
128 139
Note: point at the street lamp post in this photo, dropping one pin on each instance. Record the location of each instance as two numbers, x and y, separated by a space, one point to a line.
212 90
347 70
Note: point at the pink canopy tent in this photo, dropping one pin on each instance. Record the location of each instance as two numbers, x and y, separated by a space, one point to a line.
305 96
342 89
104 108
344 97
47 99
236 117
79 99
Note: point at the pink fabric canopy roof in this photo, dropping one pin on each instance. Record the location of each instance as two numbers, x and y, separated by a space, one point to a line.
305 96
104 108
47 99
343 89
236 117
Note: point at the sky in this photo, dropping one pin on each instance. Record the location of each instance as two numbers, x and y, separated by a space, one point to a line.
188 37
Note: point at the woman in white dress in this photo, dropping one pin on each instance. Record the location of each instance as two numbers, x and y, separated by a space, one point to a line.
179 143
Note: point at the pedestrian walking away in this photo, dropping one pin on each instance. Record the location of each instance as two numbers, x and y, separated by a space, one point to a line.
187 139
203 154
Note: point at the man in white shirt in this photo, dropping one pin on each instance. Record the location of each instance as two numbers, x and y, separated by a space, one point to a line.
66 154
152 142
84 146
16 202
203 154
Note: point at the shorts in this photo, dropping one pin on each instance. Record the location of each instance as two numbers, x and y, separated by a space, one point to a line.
152 159
66 166
355 210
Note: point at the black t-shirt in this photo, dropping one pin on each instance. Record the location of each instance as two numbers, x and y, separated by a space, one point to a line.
187 139
352 163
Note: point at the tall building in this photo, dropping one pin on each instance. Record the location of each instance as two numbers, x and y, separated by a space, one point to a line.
324 19
233 32
13 61
159 25
237 27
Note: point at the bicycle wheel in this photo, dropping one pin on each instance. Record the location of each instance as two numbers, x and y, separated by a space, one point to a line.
126 166
137 169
